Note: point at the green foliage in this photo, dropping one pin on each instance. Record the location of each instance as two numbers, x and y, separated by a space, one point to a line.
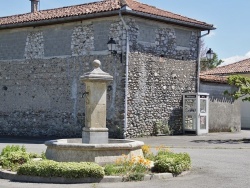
243 85
167 161
8 149
129 172
210 64
161 127
48 168
43 156
14 159
147 153
131 169
134 177
34 155
13 156
174 163
113 169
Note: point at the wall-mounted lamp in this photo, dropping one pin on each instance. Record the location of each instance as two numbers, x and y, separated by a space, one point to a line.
112 46
210 54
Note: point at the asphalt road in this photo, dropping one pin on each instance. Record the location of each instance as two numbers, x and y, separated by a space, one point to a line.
221 168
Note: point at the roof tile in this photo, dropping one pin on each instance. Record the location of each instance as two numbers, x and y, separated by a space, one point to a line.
220 74
96 7
238 67
214 78
140 7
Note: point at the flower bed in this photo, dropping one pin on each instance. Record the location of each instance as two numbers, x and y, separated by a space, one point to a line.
15 158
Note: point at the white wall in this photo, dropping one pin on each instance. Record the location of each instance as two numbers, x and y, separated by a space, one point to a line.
245 114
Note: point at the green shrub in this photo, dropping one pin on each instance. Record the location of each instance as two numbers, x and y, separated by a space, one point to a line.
14 159
34 155
113 169
161 127
13 156
136 176
148 154
132 169
49 168
9 149
43 156
174 163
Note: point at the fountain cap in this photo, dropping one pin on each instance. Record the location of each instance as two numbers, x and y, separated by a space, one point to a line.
96 63
97 74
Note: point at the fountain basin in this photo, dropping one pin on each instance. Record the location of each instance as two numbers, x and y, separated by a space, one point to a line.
73 150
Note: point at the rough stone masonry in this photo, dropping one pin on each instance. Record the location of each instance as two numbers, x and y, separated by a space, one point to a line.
41 66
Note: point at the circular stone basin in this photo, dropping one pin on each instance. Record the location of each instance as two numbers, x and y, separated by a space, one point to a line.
73 150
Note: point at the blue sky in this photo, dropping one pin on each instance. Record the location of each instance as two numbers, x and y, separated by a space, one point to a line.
231 39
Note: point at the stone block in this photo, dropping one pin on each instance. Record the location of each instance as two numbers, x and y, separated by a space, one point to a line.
95 136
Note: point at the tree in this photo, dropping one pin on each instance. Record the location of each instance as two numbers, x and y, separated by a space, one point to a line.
203 49
210 64
243 85
205 63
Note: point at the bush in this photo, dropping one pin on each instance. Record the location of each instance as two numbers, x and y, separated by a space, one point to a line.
161 127
14 159
131 169
48 168
9 149
13 156
174 163
113 169
146 149
134 177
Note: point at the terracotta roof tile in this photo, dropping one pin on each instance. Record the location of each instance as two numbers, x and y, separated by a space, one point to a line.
76 10
238 67
140 7
96 7
213 78
220 74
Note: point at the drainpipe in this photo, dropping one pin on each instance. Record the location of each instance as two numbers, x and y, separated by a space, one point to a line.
199 60
127 62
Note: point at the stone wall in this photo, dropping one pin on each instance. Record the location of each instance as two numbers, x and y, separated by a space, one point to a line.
224 112
43 97
156 85
40 69
163 40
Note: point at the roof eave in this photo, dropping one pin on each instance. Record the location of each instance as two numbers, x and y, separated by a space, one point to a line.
213 81
106 14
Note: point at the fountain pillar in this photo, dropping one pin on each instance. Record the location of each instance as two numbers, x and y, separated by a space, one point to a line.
95 130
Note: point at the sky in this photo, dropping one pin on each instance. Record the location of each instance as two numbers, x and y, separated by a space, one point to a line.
231 39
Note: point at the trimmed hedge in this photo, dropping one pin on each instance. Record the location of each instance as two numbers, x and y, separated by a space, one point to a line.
48 168
174 163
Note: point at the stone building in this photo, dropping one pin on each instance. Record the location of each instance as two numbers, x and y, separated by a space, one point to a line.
43 54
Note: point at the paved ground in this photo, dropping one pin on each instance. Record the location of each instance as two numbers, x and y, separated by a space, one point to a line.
220 160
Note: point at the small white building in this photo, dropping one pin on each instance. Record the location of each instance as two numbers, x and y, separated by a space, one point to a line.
220 74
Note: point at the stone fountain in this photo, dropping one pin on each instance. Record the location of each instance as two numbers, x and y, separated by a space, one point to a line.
95 146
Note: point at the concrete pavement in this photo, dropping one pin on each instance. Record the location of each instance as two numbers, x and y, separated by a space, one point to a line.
211 140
